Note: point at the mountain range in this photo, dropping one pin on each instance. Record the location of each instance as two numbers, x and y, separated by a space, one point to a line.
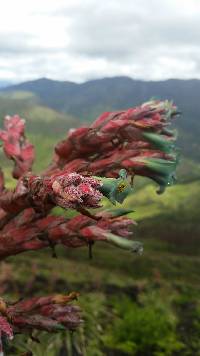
4 83
87 100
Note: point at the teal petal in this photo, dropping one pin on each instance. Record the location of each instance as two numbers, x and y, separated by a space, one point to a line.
116 189
161 170
119 212
133 246
123 174
159 141
162 166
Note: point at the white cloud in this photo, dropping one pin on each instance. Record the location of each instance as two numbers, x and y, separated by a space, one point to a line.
78 40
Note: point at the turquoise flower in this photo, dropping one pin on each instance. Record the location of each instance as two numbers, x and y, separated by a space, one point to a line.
116 189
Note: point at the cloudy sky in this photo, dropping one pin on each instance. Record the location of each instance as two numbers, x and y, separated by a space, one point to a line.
80 40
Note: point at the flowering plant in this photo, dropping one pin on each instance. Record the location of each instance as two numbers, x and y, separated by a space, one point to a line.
91 163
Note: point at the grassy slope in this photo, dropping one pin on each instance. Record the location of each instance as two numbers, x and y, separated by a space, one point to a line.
40 118
44 127
111 275
175 199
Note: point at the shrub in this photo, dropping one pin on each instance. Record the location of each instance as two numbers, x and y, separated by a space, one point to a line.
148 329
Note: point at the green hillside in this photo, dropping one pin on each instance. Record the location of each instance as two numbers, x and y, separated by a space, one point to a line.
44 127
40 119
125 299
177 198
133 305
171 218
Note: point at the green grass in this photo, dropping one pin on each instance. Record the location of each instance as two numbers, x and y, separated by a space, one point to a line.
18 95
157 279
180 197
44 150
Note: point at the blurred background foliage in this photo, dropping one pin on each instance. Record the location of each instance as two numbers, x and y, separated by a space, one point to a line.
133 305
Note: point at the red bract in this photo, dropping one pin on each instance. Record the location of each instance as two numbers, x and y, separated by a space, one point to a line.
73 189
29 232
114 148
53 314
16 146
135 139
65 190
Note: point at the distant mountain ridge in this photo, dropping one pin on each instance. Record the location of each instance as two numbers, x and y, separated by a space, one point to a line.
87 100
4 83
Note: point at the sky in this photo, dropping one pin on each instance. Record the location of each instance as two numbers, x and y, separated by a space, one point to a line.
81 40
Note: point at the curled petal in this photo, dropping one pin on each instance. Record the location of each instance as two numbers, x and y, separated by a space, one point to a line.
16 146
